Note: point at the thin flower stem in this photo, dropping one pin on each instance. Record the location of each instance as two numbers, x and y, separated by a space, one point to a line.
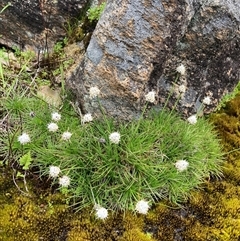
21 128
10 141
19 189
90 186
175 104
25 183
103 113
170 94
141 117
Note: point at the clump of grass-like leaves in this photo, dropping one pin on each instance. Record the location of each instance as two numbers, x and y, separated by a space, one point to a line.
154 158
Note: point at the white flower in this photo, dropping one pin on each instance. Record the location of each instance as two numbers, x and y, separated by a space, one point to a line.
207 100
31 114
66 135
64 181
56 116
181 165
114 137
24 138
102 140
181 69
87 118
54 171
192 119
101 212
94 92
150 96
52 127
182 88
142 207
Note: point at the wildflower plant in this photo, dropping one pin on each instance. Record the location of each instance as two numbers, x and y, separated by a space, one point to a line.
192 119
207 100
24 138
54 171
101 212
95 12
142 207
181 69
110 165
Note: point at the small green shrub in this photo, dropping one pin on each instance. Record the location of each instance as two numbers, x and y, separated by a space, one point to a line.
15 72
109 164
95 12
229 96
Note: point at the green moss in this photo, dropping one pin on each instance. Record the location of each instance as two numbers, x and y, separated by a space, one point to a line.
136 234
216 211
217 207
29 217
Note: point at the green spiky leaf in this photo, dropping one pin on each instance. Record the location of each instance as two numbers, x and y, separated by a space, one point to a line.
25 161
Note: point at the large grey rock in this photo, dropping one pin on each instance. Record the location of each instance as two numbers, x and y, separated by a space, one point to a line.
137 46
36 24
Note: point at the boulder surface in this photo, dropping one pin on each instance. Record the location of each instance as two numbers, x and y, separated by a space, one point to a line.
138 45
37 24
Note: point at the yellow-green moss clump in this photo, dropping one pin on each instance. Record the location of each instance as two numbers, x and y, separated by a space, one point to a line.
31 217
211 214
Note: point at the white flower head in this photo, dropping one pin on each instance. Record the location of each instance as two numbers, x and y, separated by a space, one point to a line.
54 171
181 69
56 116
64 181
207 100
102 140
150 96
24 138
142 207
192 119
101 212
114 137
94 92
52 127
66 135
87 118
181 165
182 88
